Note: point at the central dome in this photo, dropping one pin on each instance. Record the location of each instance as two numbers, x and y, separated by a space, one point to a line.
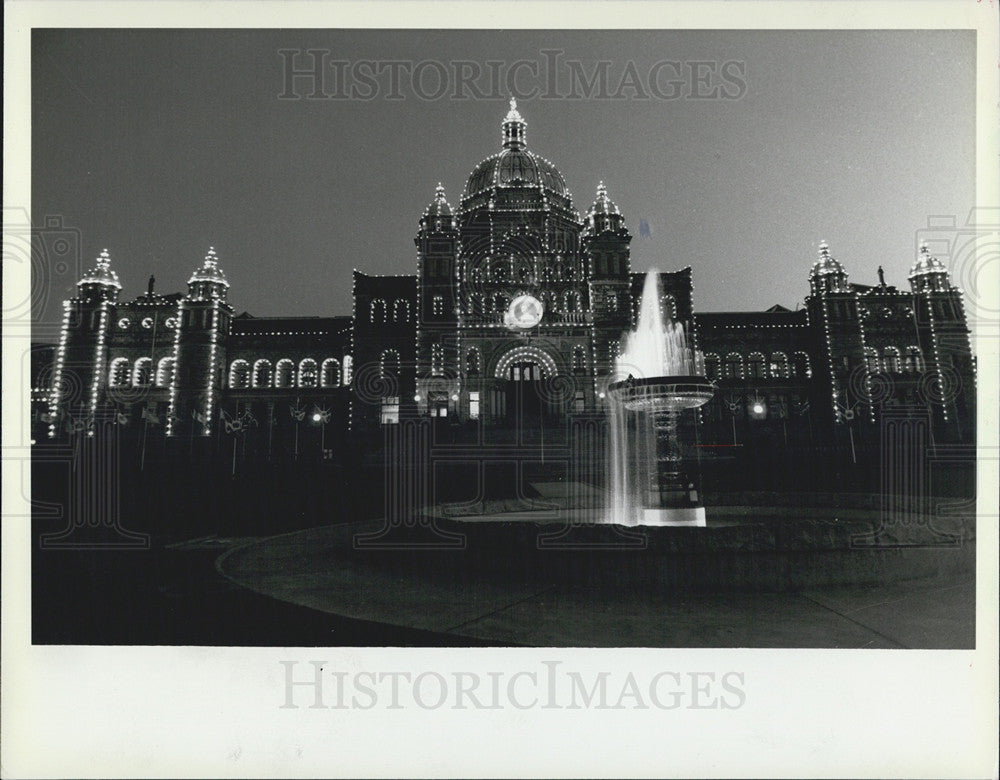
515 166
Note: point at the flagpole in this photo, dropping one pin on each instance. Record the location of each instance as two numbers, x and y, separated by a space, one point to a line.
234 437
152 383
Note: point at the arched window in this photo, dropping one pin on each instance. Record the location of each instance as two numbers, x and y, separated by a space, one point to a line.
401 310
914 360
263 375
579 361
470 304
472 362
377 310
329 375
549 302
755 365
348 370
142 373
734 366
308 373
284 373
612 302
572 301
239 375
118 373
779 365
891 359
498 302
871 360
437 359
668 306
437 305
388 363
164 371
801 366
712 364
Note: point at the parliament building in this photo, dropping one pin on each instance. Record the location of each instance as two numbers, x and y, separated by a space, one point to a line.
512 316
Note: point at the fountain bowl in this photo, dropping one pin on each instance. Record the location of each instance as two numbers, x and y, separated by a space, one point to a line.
662 393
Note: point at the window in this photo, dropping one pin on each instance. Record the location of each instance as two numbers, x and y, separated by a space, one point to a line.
377 311
239 374
348 369
437 305
871 360
329 375
712 366
262 373
390 410
734 366
914 360
472 362
164 371
284 374
474 405
779 365
801 366
579 361
572 300
437 402
755 365
668 306
308 373
437 359
578 404
142 374
388 363
118 374
612 302
401 310
891 358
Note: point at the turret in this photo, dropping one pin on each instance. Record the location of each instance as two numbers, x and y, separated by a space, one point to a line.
827 275
928 274
80 374
208 281
100 283
200 348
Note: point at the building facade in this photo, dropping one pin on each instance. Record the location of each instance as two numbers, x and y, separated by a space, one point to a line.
513 317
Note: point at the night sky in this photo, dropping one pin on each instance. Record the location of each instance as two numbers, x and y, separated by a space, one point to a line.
157 144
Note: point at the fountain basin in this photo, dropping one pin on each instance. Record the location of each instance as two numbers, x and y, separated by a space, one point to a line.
662 393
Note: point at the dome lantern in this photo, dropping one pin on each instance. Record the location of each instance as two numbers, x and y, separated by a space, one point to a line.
514 128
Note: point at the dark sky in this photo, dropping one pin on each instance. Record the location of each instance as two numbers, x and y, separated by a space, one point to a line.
158 143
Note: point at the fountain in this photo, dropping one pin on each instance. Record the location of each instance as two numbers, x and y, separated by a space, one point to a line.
665 378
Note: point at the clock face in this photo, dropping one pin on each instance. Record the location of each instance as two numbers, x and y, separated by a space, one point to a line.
525 312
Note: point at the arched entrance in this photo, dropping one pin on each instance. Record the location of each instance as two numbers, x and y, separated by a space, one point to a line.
522 372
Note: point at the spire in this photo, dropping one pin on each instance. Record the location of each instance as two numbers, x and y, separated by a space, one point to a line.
513 128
